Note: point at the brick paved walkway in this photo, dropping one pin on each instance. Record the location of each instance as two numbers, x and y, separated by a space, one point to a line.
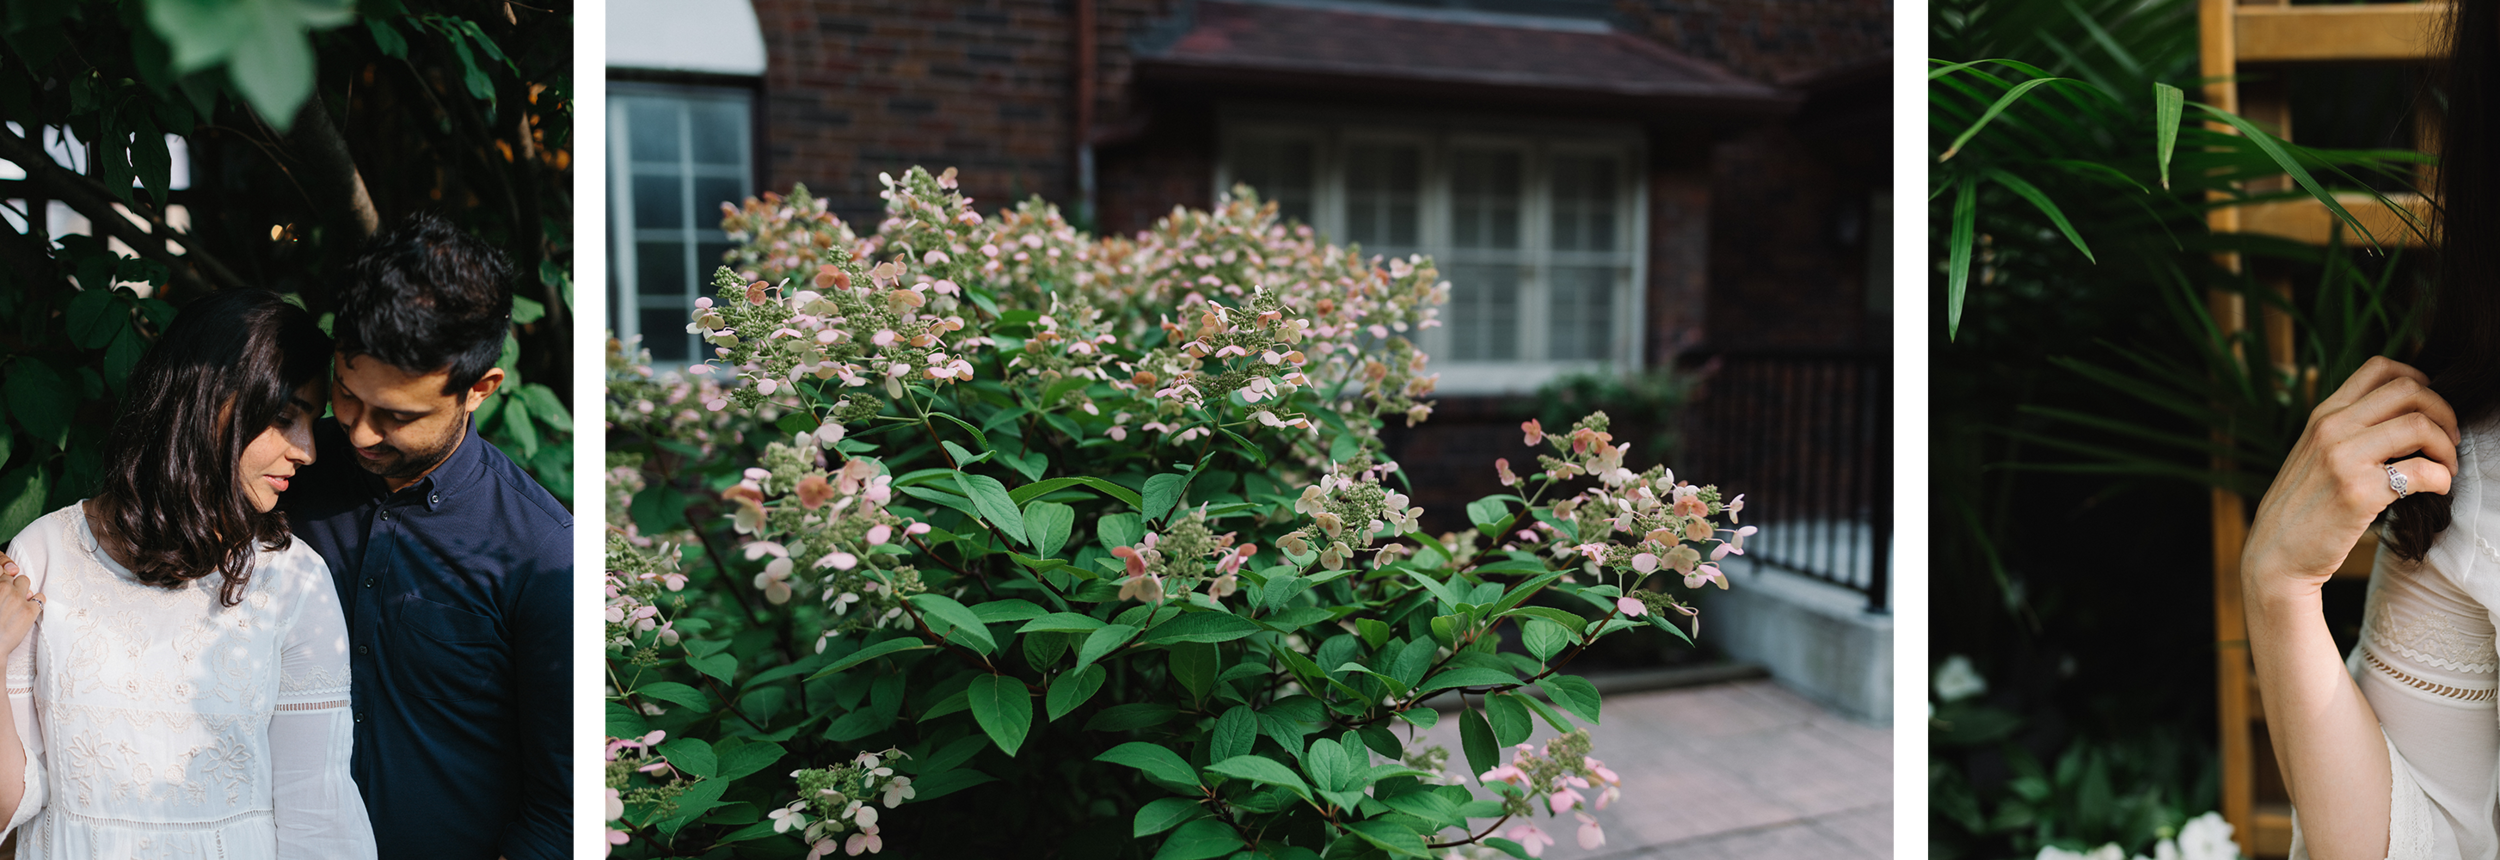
1742 770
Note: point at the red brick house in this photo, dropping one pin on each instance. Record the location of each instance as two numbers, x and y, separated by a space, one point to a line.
1608 185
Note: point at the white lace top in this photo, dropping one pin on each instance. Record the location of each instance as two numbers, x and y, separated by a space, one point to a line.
2427 664
161 723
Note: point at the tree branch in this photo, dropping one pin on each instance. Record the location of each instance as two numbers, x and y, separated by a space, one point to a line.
337 187
91 199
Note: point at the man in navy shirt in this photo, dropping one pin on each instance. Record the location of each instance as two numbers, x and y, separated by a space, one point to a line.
454 567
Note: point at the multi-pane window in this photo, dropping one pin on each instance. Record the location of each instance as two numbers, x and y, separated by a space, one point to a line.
676 154
1537 233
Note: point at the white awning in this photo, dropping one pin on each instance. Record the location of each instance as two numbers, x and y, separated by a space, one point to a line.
713 36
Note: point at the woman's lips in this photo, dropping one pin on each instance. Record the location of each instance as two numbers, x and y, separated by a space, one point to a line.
278 481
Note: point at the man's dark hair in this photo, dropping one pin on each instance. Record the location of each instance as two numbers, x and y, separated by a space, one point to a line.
224 372
425 296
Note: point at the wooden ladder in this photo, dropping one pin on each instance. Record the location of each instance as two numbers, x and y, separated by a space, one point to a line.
2234 36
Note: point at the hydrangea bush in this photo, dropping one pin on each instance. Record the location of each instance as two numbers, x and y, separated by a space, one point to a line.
1109 521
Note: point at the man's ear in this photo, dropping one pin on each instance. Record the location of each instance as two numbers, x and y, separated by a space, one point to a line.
485 386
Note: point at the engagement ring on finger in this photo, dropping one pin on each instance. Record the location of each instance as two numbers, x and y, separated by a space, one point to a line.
2396 481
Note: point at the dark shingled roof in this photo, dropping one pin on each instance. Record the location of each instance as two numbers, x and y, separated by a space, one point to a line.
1251 46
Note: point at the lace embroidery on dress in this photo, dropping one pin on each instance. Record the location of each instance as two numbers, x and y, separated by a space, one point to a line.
2432 640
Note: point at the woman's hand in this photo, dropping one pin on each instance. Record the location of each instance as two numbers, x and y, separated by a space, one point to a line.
19 606
2335 482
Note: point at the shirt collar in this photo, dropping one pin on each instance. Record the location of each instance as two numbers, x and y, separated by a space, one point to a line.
457 472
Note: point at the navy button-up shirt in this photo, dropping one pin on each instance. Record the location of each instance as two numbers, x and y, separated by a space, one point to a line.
458 593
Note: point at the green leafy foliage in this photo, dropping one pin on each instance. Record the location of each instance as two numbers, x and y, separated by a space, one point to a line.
1164 535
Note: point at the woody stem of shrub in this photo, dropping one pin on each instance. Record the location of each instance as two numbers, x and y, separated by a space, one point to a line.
1497 825
91 199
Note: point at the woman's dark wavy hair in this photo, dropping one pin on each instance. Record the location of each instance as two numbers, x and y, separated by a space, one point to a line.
2462 353
171 492
424 296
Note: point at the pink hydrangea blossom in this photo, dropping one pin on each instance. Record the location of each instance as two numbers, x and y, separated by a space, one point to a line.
1529 838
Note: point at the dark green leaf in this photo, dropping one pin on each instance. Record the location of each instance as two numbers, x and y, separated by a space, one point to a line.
1101 642
1236 732
747 759
1003 611
1037 489
1119 530
1468 676
1508 717
1390 836
1071 689
2011 96
674 693
996 507
721 665
1489 514
1134 715
1162 491
1049 523
2273 148
91 318
1543 638
691 755
1061 622
960 625
1004 708
1441 591
1194 665
1475 736
39 399
1958 251
977 436
1165 814
1155 760
1260 769
1201 627
1573 693
2041 201
2167 104
1202 839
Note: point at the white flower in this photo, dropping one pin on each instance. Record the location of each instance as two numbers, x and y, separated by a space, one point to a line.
1955 680
2207 837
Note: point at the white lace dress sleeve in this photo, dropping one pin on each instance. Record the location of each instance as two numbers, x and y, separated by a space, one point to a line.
30 556
2427 664
311 736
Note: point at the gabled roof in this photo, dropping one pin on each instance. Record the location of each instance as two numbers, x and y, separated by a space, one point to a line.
1345 49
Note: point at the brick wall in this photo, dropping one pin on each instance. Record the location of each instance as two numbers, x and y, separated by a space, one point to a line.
987 87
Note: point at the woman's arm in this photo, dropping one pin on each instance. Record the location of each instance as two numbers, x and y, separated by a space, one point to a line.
2326 738
2334 484
320 813
21 739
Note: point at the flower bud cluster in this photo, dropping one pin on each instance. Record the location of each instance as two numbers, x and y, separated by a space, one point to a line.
1635 524
844 798
773 233
826 530
1348 508
1553 779
1175 562
634 591
671 406
629 756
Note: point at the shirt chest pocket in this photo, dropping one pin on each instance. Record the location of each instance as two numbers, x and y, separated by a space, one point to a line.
440 652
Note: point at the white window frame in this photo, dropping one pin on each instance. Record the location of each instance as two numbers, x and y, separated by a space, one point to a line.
1538 141
702 221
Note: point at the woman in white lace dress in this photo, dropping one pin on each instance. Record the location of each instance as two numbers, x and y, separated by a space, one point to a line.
184 691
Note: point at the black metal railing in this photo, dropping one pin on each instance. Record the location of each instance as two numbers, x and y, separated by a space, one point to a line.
1807 437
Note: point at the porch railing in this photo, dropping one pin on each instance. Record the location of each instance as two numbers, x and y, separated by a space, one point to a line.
1807 437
